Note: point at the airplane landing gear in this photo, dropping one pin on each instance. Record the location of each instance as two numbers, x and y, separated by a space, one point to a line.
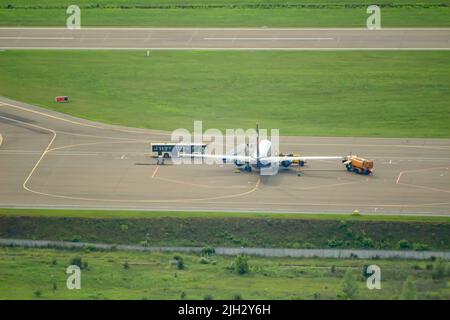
248 168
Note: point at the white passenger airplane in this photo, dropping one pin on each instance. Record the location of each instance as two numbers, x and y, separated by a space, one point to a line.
261 158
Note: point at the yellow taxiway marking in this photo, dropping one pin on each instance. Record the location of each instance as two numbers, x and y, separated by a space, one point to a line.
80 123
48 149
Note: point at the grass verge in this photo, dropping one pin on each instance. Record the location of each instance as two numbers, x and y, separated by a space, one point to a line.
378 94
221 13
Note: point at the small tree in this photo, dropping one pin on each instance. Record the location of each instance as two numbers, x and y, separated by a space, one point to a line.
404 244
126 266
236 296
349 286
333 269
240 265
364 274
208 251
408 290
439 269
37 293
78 261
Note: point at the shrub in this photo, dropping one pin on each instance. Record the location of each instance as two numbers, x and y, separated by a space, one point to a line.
404 244
364 273
203 260
180 263
367 242
208 251
183 295
420 247
333 243
90 248
308 245
78 261
124 227
236 296
76 238
126 266
37 293
208 297
240 265
439 269
333 269
144 243
349 288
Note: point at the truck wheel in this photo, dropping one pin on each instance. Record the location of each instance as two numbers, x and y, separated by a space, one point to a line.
349 168
356 170
166 155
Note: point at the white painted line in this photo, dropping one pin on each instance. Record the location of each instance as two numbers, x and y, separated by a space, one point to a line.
274 38
154 172
36 38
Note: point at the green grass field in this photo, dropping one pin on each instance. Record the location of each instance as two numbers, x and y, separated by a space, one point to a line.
129 214
378 94
40 274
228 229
221 13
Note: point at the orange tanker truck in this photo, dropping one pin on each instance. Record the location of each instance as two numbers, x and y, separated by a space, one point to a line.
358 165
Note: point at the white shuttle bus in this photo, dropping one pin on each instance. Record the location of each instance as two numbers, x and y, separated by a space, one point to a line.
169 149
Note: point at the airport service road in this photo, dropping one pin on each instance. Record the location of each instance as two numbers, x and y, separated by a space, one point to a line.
226 38
56 161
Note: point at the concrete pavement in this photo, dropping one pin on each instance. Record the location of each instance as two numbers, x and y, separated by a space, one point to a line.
226 38
52 160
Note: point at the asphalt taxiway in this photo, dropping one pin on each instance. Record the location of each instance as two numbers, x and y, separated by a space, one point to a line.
52 160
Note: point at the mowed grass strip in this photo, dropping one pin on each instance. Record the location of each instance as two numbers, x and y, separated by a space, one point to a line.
221 13
40 274
129 214
225 17
377 94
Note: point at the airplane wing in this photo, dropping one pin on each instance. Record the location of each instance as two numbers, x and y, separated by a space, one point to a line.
217 156
287 158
